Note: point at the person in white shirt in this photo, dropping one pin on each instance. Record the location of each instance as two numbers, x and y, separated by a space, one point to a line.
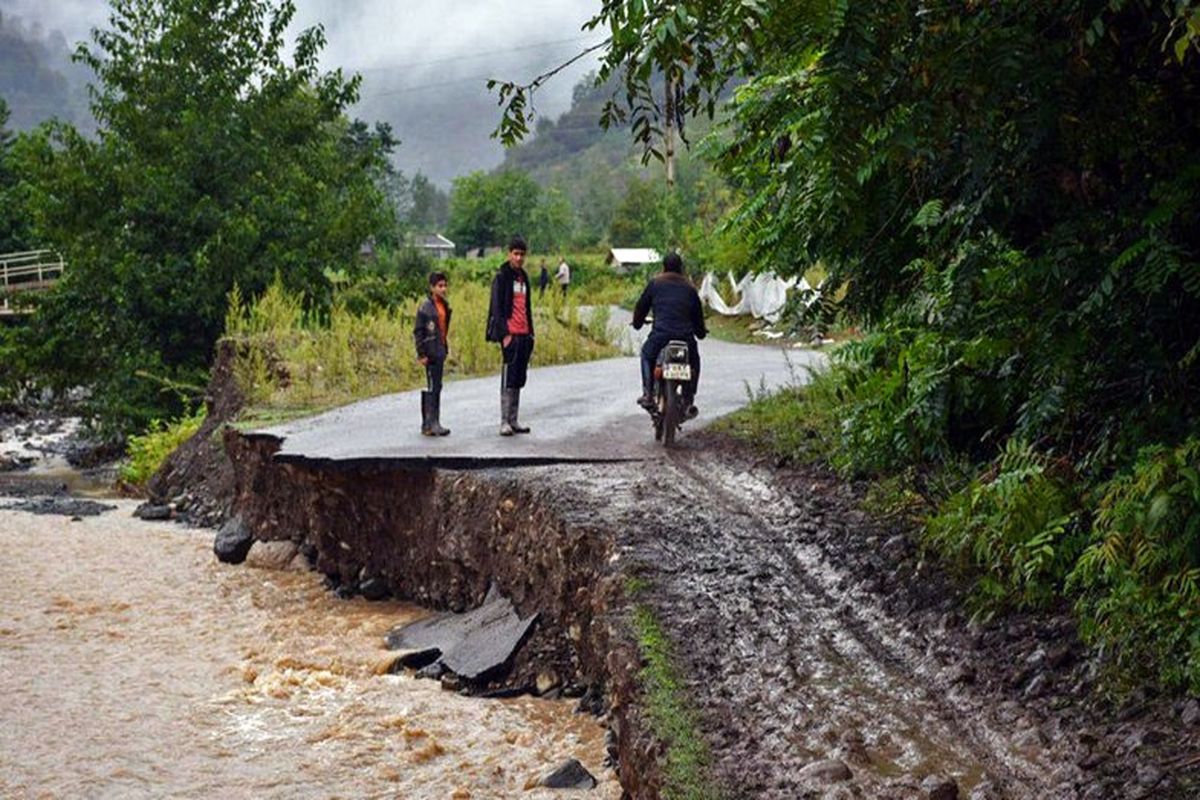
563 275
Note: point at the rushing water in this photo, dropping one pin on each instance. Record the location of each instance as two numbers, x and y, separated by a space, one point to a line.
132 664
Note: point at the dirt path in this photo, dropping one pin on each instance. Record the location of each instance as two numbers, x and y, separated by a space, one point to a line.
816 645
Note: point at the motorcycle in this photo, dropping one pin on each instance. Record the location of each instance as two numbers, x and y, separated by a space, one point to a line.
672 378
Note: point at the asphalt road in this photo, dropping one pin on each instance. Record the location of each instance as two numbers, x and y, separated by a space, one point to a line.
578 412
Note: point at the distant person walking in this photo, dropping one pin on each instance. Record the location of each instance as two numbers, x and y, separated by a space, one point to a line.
543 280
563 275
431 334
510 323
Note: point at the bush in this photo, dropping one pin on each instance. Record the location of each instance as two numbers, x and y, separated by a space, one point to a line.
1015 528
147 452
1139 577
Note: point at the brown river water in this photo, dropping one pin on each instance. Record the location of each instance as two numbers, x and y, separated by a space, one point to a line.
132 664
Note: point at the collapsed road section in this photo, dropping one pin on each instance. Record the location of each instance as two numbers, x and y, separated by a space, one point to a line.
747 631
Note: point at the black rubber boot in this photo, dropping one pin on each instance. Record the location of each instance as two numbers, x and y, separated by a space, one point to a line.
515 406
427 414
436 417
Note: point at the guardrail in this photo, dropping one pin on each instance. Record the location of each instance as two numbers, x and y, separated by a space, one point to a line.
32 271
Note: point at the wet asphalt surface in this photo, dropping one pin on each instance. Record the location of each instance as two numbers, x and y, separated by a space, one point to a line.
578 412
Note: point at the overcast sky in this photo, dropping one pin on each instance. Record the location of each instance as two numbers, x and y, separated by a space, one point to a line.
412 54
389 39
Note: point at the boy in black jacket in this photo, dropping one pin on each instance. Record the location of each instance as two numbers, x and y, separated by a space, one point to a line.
510 323
431 335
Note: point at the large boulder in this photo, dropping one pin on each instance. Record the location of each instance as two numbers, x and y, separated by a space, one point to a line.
233 542
272 555
571 775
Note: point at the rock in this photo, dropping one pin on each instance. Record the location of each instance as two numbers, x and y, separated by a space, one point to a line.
1059 657
546 681
1191 712
571 775
62 506
936 787
1036 687
1149 775
432 671
271 555
985 790
828 771
233 542
375 588
962 674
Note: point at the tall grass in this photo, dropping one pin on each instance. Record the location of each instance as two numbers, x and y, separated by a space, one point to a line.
293 358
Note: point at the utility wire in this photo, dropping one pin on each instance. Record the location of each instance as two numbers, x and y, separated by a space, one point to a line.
466 56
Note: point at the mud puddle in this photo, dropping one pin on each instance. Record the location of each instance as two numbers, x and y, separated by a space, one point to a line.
136 666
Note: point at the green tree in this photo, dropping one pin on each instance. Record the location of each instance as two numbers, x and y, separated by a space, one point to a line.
220 160
552 222
642 217
14 229
485 210
430 206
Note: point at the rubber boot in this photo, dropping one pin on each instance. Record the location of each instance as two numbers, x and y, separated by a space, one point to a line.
427 414
505 413
516 409
436 417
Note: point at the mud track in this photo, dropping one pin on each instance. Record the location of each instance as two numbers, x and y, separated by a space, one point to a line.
808 633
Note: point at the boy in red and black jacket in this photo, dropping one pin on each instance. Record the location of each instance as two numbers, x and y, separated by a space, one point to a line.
510 324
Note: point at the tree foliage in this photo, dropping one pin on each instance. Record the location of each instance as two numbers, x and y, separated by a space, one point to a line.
220 160
14 227
1008 190
487 209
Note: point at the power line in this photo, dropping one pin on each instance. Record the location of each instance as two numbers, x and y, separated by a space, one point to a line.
466 56
403 90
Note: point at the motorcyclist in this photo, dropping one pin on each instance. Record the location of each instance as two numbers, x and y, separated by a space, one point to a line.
678 314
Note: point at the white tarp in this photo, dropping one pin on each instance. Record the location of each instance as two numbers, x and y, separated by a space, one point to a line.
763 295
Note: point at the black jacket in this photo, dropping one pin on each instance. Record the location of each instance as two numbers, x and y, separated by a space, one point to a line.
501 306
426 335
675 304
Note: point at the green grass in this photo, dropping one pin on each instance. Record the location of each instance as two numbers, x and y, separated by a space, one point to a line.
798 423
687 768
741 330
291 362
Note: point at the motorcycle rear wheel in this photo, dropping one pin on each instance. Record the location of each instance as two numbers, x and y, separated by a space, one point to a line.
672 411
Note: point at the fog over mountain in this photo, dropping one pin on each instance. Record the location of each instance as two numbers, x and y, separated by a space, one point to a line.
424 63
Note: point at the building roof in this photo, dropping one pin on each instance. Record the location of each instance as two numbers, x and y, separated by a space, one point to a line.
433 241
634 255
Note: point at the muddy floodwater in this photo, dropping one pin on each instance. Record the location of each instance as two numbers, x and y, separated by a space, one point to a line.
132 664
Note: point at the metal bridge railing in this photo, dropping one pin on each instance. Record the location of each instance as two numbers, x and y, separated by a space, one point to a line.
30 271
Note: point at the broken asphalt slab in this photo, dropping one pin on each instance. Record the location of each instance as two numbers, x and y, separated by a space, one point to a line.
473 645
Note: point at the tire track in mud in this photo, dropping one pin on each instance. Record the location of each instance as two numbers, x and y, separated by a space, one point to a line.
790 666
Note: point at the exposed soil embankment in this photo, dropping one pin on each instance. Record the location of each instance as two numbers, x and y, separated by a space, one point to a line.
197 479
441 538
